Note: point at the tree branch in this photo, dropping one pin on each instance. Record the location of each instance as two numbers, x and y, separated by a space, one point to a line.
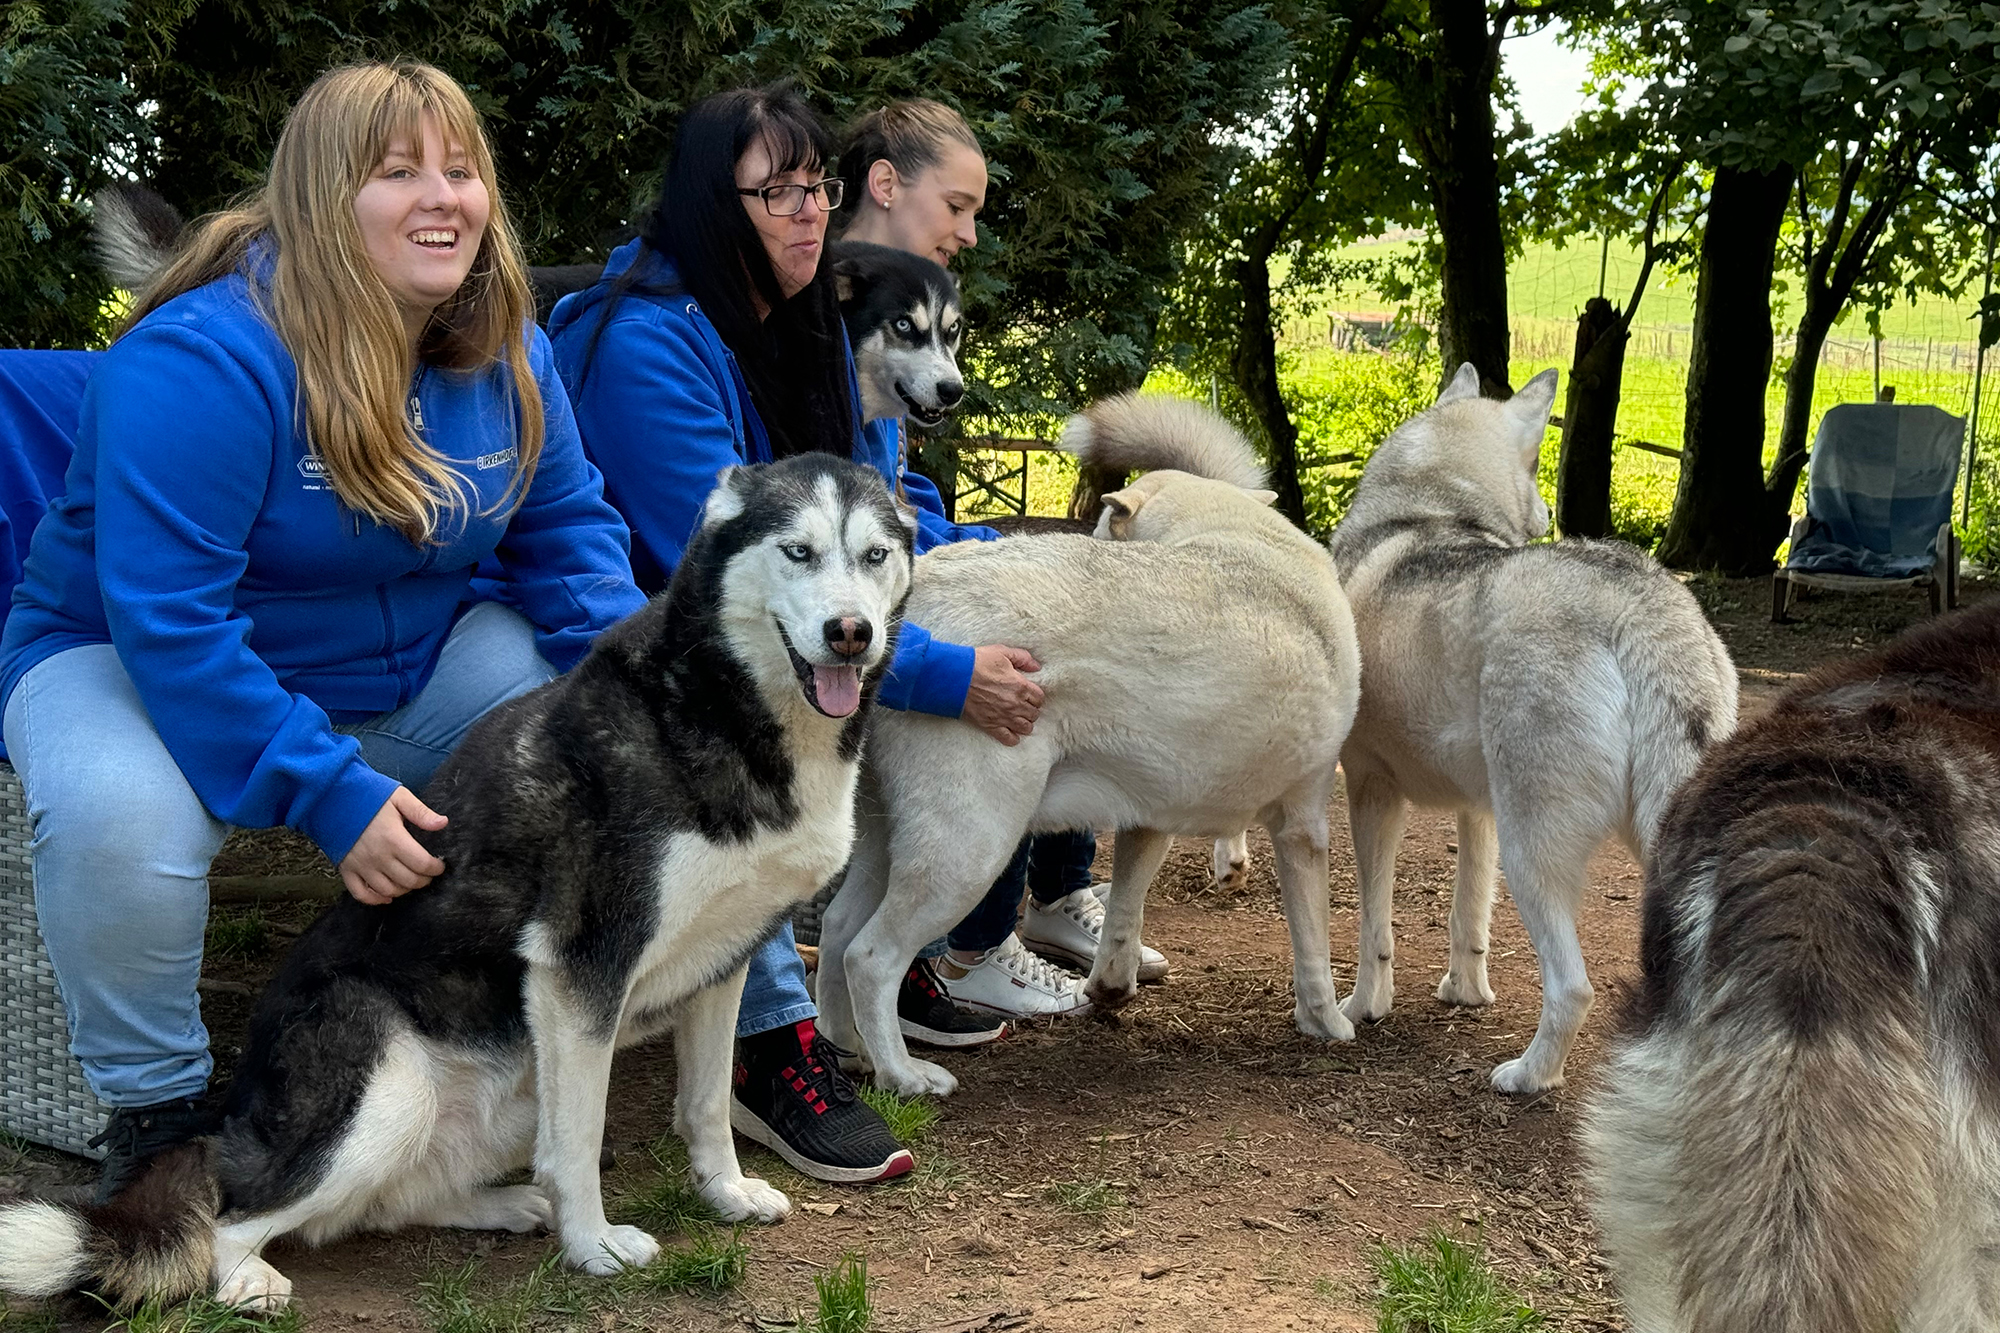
1651 251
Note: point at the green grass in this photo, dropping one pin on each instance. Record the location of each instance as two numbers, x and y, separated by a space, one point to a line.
715 1262
200 1315
666 1203
908 1118
1440 1285
29 1319
843 1302
238 933
454 1300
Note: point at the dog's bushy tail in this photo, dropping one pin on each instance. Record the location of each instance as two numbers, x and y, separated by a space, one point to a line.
1142 432
1762 1159
155 1239
135 233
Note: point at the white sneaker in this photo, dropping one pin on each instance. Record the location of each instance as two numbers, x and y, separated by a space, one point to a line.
1068 930
1011 981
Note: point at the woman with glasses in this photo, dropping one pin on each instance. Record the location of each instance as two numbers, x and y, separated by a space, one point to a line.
715 338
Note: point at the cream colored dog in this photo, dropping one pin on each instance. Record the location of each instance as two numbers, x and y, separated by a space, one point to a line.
1201 674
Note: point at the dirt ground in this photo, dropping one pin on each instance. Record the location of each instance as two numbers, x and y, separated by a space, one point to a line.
1191 1160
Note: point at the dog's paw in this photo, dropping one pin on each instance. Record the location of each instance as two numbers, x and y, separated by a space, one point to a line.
1323 1023
611 1251
1231 863
1459 988
917 1078
747 1199
1108 997
1370 1007
252 1285
1523 1079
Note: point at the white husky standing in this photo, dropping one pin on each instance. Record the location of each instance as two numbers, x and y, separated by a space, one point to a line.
1201 674
1553 695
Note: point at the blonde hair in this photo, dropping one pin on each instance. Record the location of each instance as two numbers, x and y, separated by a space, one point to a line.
333 312
910 135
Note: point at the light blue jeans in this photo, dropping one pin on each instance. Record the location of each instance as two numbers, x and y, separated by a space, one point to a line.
122 843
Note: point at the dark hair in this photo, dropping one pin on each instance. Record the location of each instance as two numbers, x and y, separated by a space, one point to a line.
794 360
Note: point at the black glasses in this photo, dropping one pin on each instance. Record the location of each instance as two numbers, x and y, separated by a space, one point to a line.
781 201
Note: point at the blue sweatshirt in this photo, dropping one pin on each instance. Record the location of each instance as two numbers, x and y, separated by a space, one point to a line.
663 408
253 610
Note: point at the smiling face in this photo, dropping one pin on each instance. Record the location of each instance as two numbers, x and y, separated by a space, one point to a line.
794 243
422 214
930 214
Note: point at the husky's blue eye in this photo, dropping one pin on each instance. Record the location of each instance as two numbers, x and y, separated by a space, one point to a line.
877 554
902 326
797 552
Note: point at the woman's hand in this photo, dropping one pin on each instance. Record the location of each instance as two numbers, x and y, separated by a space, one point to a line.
1002 702
386 862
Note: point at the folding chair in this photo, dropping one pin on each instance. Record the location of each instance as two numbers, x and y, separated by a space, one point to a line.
1878 505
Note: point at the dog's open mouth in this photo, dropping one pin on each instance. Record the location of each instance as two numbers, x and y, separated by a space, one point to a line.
833 690
927 417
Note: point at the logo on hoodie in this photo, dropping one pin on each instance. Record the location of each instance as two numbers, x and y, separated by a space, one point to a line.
312 469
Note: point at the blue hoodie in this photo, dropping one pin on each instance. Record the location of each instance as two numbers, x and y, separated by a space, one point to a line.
663 408
198 535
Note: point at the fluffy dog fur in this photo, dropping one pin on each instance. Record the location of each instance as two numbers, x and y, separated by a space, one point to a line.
1552 695
620 840
1801 1131
1200 674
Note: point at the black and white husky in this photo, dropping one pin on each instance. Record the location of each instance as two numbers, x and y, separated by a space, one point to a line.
1800 1132
901 310
620 840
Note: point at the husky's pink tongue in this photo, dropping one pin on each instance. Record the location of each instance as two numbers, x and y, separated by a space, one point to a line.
837 689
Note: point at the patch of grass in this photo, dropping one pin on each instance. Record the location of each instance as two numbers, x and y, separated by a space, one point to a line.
1440 1285
238 934
1086 1198
713 1263
908 1118
667 1204
200 1315
938 1174
449 1303
844 1306
30 1319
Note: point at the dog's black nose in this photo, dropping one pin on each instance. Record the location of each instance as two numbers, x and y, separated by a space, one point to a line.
949 392
848 636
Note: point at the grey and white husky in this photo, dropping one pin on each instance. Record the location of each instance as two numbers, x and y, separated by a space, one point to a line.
1800 1132
1553 695
620 840
1200 673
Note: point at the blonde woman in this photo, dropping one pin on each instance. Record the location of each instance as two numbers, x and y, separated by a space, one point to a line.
254 605
917 176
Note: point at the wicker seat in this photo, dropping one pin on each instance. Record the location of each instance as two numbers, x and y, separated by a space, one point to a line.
43 1097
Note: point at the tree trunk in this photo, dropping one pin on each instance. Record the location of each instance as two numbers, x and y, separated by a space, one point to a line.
1596 374
1254 366
1783 483
1464 179
1720 509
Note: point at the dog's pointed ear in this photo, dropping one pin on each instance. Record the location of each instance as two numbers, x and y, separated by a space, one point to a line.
1262 497
906 513
1119 508
843 278
1465 384
1531 408
729 497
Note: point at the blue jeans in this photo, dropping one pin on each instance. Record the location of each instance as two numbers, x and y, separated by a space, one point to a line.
1051 865
122 843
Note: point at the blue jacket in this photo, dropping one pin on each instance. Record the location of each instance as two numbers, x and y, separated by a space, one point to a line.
251 609
663 408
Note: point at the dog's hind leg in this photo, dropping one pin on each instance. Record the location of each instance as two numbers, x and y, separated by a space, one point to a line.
572 1076
704 1041
1231 862
1471 911
1375 814
1114 973
1546 859
1298 846
860 894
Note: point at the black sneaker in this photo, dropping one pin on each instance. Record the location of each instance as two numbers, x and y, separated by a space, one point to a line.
135 1135
791 1097
926 1014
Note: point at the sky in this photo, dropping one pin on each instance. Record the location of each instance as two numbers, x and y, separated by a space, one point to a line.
1549 77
